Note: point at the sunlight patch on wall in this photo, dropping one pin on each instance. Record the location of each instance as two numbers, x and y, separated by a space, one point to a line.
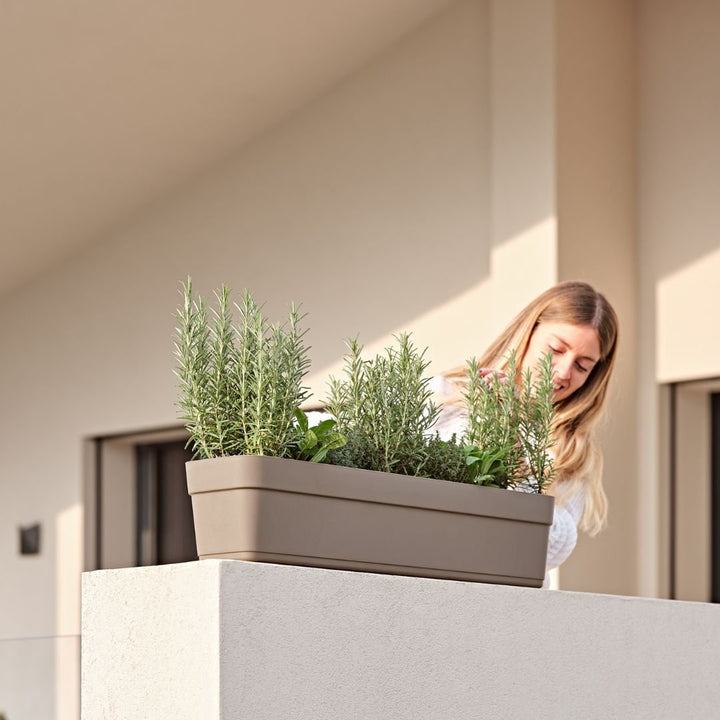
688 332
67 678
68 562
522 267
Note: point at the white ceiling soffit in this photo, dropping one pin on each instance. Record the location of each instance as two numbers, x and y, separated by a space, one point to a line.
106 105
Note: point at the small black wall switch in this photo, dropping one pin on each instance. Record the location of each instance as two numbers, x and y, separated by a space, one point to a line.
30 540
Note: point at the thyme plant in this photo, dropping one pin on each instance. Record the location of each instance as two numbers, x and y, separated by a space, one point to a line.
240 384
383 407
445 459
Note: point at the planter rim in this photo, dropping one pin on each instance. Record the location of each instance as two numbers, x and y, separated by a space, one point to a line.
299 476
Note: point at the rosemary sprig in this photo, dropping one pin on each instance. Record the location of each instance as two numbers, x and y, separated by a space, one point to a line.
192 350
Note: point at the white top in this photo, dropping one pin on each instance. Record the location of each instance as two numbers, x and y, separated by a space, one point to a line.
568 506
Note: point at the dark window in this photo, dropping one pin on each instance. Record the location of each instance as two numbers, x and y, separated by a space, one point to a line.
165 531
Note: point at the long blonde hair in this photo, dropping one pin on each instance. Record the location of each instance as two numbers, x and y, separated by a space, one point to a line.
577 456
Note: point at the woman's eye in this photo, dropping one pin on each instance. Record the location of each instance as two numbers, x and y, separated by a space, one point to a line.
581 368
554 350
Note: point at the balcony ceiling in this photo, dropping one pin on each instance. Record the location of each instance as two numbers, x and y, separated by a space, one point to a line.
107 106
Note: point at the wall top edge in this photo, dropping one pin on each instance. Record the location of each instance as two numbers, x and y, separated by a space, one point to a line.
234 571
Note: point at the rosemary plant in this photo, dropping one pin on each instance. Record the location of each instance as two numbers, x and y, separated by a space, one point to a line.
493 450
192 350
537 414
240 385
509 433
383 407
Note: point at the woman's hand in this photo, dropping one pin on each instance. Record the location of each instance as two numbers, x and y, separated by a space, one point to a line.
487 374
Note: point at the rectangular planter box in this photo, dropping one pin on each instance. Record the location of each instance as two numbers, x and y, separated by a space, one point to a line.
276 510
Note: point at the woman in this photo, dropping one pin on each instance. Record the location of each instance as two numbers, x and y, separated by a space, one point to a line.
579 327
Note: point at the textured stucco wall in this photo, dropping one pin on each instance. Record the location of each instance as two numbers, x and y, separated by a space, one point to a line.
223 638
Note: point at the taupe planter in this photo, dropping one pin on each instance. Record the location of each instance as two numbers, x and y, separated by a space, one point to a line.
300 513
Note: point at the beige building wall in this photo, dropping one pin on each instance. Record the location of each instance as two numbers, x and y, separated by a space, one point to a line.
370 206
524 228
679 263
564 207
596 242
679 161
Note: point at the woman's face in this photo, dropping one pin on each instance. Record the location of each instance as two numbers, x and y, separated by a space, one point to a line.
575 351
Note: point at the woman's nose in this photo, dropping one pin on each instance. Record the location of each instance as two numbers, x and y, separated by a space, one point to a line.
562 369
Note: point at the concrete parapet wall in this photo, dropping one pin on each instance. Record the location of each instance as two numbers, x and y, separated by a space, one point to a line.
229 639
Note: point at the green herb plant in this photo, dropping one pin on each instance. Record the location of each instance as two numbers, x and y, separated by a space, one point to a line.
509 435
537 414
241 383
494 454
241 388
445 459
383 407
314 443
